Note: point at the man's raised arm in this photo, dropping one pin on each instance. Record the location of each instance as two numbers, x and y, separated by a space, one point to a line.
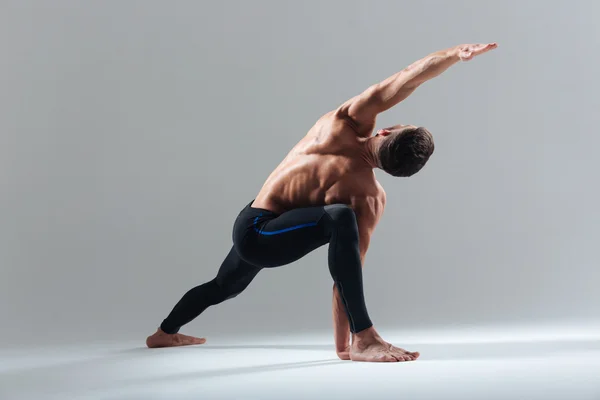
382 96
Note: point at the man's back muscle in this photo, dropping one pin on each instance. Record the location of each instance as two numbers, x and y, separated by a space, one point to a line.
325 167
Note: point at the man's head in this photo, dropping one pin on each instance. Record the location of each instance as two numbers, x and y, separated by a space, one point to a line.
402 150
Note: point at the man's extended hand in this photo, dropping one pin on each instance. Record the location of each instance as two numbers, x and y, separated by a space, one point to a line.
363 109
467 51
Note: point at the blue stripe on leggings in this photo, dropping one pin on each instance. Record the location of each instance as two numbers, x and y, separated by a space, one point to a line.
291 228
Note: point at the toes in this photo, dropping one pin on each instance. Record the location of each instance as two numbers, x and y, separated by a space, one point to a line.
199 340
398 356
412 355
387 357
184 340
401 355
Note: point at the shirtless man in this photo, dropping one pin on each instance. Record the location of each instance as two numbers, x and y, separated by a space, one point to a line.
325 192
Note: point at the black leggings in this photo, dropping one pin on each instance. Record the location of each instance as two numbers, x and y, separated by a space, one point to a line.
263 239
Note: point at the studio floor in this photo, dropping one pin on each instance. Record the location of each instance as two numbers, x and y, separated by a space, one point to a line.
476 366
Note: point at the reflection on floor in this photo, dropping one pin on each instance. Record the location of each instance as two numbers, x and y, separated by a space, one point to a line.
467 365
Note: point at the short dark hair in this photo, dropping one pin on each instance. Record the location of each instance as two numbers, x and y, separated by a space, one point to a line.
405 153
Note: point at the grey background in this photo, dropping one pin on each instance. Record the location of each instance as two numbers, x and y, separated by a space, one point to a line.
132 132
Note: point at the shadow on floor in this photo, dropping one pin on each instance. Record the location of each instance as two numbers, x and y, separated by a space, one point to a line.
57 379
451 351
429 352
253 369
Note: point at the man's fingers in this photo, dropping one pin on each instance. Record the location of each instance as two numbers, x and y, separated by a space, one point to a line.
487 47
474 50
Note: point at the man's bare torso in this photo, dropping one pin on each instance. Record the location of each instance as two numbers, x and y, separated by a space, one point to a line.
327 166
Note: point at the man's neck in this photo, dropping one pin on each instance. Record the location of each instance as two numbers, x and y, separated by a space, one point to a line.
369 154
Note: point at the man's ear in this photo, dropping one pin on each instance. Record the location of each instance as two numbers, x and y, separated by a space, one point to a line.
383 132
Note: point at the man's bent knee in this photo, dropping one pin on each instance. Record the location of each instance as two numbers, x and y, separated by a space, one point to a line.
342 215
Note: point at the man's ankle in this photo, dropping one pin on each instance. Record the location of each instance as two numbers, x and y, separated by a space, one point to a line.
365 335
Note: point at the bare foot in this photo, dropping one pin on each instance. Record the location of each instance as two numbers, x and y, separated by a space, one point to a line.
368 346
344 354
162 339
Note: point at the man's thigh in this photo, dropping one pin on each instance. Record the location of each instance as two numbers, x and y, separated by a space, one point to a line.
288 237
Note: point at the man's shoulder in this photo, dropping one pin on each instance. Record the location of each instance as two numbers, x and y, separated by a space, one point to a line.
341 124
